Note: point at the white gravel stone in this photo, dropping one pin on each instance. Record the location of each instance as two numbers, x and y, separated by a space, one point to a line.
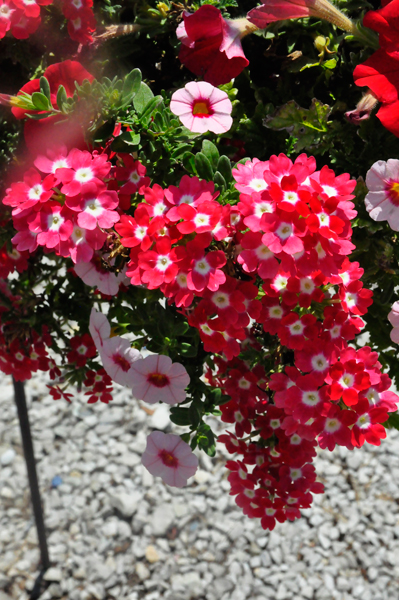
116 532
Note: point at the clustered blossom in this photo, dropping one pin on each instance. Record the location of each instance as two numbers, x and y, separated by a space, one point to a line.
291 230
270 272
81 20
22 18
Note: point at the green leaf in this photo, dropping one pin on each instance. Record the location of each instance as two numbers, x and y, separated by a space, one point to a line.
40 101
203 166
142 98
194 414
180 416
329 64
308 125
393 421
211 152
149 109
180 329
131 86
220 180
45 88
224 168
62 98
188 161
125 141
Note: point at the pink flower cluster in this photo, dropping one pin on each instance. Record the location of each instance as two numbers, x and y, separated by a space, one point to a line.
290 234
81 20
22 355
20 18
64 204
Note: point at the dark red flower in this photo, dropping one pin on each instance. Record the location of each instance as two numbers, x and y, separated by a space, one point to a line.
40 134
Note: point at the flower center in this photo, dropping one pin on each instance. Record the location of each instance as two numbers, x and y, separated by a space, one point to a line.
393 192
159 380
201 109
168 459
121 362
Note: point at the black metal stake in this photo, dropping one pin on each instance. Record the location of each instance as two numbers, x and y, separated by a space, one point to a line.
20 401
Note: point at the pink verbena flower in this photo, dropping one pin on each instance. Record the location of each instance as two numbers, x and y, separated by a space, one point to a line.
167 456
202 107
156 379
84 168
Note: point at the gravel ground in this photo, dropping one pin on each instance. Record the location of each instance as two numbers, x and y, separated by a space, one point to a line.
115 532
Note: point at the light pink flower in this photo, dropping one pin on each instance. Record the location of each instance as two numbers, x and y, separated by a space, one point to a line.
117 357
167 456
382 201
393 318
202 107
99 328
155 378
116 354
94 274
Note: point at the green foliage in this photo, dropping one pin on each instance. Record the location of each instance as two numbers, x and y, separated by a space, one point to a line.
308 126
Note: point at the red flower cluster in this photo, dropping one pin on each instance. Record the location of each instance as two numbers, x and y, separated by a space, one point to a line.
381 71
81 20
67 208
20 18
290 234
58 130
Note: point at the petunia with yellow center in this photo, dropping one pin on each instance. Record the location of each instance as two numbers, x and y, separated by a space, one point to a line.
201 109
168 459
393 192
158 379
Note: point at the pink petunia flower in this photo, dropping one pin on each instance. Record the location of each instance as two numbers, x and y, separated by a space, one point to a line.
116 353
155 379
382 201
393 318
94 274
167 456
202 107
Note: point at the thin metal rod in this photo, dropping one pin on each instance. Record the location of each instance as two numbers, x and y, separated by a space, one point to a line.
20 401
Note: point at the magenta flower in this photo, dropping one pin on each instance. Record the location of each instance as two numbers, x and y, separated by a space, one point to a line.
382 201
95 207
167 456
211 45
202 107
155 378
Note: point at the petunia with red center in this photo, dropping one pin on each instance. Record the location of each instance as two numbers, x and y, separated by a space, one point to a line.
382 200
202 107
156 379
169 457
